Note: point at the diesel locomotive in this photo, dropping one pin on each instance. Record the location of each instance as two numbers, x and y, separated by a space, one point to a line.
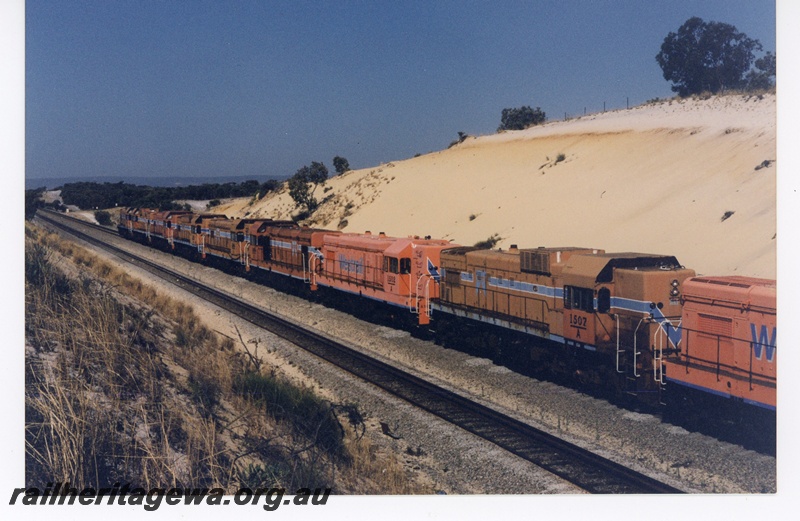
641 323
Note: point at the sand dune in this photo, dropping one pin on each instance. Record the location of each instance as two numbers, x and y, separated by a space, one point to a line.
660 178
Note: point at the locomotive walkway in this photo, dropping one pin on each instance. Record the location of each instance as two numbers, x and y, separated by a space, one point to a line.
589 471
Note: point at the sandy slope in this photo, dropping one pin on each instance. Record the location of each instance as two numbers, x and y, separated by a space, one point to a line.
657 178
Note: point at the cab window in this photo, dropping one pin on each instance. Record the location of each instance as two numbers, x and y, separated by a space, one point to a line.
603 300
578 298
405 266
390 264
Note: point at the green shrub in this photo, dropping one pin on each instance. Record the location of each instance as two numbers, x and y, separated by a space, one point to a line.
521 118
103 218
340 164
303 184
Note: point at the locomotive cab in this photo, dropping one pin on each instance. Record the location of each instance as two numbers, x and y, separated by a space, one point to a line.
628 307
402 272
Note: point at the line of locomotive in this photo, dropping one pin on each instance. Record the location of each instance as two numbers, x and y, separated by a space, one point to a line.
634 321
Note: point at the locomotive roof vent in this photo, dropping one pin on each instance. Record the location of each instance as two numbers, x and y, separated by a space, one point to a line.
532 261
381 234
513 248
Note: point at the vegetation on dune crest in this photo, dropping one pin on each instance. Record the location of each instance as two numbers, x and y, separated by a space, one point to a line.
462 136
713 57
489 243
303 184
340 165
521 118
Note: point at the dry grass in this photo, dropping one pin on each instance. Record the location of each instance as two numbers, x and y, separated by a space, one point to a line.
120 391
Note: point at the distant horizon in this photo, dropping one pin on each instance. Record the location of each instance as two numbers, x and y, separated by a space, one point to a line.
158 181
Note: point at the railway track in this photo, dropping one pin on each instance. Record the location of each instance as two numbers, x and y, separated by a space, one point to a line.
581 467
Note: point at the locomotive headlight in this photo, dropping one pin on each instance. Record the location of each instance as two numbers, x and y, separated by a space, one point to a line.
674 292
675 283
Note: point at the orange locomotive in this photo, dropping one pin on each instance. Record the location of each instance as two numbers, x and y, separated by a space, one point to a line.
397 271
281 247
168 227
132 221
188 230
289 249
729 339
623 307
641 321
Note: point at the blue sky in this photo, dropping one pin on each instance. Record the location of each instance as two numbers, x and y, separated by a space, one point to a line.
261 88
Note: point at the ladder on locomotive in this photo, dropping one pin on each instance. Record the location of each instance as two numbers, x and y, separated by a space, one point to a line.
201 245
244 253
421 299
627 360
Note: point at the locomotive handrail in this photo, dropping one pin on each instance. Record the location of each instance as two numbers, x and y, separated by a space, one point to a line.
724 369
416 307
244 251
312 268
657 349
616 317
635 352
658 359
306 269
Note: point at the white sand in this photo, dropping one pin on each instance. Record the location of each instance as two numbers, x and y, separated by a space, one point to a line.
656 179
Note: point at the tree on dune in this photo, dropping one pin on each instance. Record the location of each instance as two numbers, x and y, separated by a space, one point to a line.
711 57
340 164
762 76
520 118
304 182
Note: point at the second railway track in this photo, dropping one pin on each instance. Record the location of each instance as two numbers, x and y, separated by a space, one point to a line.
574 464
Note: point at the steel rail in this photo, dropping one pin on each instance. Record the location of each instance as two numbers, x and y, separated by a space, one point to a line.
579 466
